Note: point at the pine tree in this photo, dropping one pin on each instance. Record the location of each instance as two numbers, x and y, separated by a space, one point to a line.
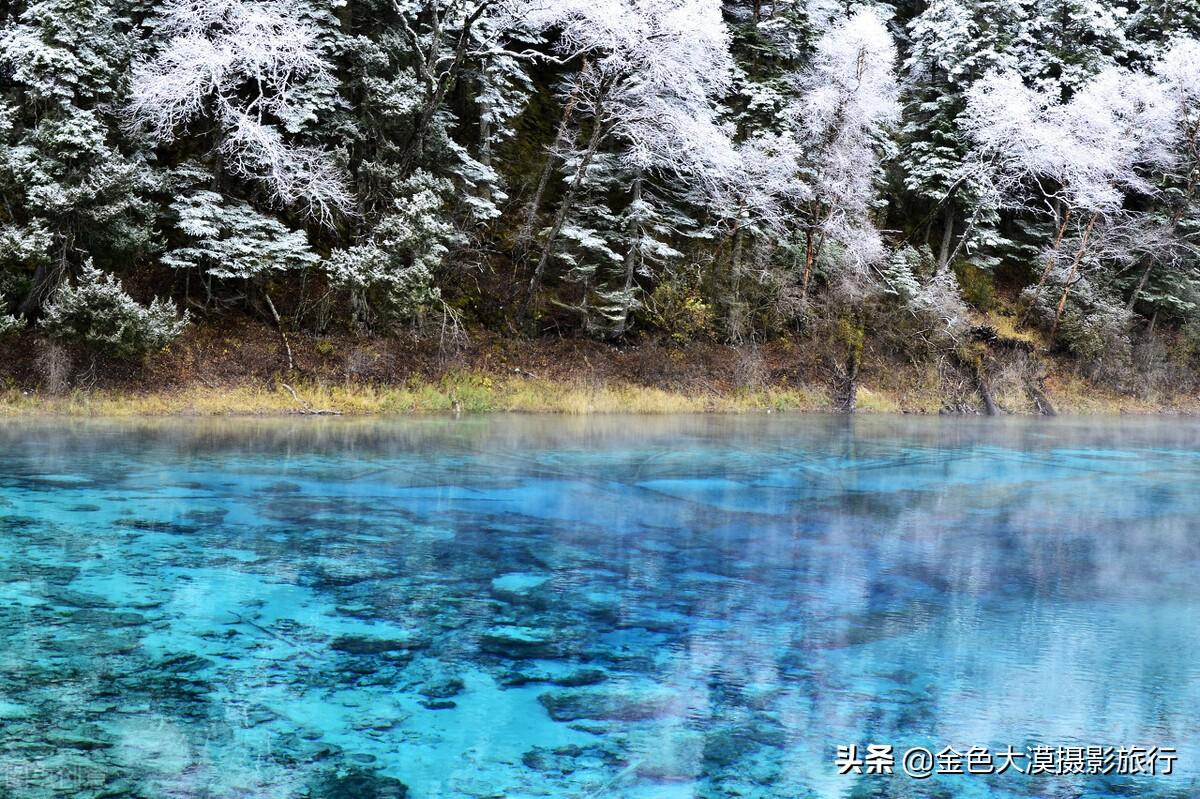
951 45
74 185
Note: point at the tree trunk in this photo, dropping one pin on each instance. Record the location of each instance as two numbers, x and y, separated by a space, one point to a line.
1062 302
560 139
850 399
46 280
947 237
1040 400
485 142
1050 260
632 256
809 258
733 315
564 208
1141 285
985 393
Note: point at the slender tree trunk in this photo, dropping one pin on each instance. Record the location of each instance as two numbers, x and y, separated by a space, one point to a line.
947 237
564 208
1133 298
809 259
46 280
560 139
850 399
1062 302
437 77
1050 260
733 315
632 256
485 137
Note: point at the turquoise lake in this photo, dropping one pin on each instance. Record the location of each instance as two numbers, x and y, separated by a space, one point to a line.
636 608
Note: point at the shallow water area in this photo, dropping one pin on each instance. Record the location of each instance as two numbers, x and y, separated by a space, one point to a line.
592 607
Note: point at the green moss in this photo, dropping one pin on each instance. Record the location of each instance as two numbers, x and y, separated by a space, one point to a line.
978 287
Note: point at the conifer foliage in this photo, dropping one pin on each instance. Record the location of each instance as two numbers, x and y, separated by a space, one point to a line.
538 164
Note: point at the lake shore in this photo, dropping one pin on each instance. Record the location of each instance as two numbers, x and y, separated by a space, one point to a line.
479 393
246 370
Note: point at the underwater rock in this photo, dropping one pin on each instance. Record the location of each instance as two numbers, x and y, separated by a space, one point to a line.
293 750
442 689
51 574
518 586
362 645
16 524
83 738
439 704
574 679
342 573
357 783
122 642
520 642
77 599
154 526
564 760
622 704
207 517
183 664
675 759
102 619
724 747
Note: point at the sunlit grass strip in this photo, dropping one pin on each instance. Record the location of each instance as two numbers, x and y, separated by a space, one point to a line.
475 393
455 393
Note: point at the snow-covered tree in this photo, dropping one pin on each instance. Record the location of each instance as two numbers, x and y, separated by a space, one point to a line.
653 70
1170 272
1077 160
848 98
952 44
392 273
1069 41
98 313
71 187
242 65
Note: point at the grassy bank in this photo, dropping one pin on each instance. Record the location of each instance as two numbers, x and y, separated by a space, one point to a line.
472 392
457 393
243 370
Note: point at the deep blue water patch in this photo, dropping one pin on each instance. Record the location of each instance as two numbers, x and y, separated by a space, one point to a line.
525 607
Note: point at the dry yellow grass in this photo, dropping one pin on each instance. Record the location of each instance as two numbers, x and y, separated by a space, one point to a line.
468 392
1005 323
1072 394
456 393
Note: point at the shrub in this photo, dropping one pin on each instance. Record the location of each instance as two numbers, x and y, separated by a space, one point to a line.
1094 326
914 308
97 313
55 366
9 324
978 288
677 307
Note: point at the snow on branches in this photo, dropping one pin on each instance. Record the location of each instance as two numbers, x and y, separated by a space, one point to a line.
240 63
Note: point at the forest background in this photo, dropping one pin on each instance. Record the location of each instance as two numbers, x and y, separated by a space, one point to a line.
956 205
